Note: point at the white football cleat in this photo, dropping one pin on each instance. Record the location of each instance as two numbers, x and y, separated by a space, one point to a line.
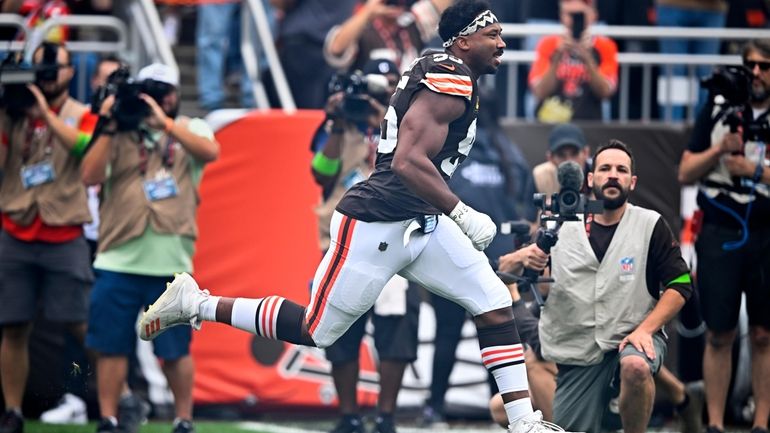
533 423
178 305
70 410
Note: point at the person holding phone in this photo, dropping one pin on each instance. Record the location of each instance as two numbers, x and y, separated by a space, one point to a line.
575 71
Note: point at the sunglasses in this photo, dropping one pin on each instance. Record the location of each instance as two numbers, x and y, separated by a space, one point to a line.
763 66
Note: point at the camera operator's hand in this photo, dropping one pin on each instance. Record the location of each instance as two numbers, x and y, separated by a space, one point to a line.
582 50
478 226
106 109
739 166
334 104
530 257
158 118
732 142
42 103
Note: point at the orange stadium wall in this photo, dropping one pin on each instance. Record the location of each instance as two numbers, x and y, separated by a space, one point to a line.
257 238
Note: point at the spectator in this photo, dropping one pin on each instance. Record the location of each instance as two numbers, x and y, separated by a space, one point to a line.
381 29
687 13
151 174
574 72
303 28
44 259
345 148
603 318
218 33
496 179
565 143
730 169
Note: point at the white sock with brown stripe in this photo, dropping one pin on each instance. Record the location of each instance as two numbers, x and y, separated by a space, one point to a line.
257 316
503 356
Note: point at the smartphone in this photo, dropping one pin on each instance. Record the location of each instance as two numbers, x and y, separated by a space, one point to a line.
578 24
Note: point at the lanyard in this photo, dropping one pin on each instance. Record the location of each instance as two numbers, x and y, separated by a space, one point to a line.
34 132
168 154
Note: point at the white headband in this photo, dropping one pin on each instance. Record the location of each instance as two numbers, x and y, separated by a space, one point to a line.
482 20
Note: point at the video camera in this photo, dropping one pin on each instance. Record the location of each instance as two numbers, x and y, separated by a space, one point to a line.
731 87
129 110
15 74
356 87
564 206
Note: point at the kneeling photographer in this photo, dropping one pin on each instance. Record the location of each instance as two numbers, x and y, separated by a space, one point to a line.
44 258
151 167
727 158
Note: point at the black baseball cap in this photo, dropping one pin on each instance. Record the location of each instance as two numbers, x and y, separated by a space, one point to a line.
381 67
566 134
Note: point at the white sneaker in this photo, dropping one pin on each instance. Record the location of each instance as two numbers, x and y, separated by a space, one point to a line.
178 305
534 424
71 410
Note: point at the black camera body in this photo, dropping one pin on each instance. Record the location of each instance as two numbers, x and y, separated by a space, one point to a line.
564 206
15 97
733 85
129 109
357 87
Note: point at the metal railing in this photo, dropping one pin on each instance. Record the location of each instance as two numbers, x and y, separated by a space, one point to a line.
31 39
147 32
254 17
141 43
628 60
16 21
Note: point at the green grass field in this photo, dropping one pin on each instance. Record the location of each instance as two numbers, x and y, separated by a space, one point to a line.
152 427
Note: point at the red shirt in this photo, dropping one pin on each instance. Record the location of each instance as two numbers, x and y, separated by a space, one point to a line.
38 230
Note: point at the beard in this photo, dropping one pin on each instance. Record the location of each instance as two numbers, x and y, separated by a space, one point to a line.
760 91
611 203
53 92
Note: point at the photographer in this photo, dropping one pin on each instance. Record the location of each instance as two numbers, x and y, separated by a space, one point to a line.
605 310
345 147
574 72
727 157
396 29
44 259
150 173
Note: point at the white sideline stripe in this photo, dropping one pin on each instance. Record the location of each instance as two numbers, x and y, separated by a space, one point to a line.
274 428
